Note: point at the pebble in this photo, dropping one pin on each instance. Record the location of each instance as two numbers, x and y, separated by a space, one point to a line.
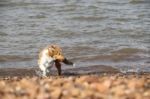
80 87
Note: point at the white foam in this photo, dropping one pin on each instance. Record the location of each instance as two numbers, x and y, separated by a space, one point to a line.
74 65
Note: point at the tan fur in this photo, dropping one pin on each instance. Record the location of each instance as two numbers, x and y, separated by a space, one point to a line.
50 55
53 51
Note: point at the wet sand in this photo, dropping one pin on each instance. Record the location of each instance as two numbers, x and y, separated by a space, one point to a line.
5 72
96 82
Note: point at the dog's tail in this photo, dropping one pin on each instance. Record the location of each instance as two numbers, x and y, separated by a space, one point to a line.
68 62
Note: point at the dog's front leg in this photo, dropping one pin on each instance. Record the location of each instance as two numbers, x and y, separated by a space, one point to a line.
58 66
43 69
44 72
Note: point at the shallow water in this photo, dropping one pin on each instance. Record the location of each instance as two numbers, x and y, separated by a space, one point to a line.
91 32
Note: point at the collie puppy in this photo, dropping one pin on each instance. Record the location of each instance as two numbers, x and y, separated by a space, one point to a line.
52 56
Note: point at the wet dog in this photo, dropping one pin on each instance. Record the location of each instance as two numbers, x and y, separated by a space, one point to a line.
50 56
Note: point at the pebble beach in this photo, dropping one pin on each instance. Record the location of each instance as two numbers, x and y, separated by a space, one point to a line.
99 85
108 40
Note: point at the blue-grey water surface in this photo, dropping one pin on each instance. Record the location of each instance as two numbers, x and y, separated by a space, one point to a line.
91 32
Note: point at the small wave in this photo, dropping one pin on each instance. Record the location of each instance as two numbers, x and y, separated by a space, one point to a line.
89 18
139 1
3 34
37 16
10 58
109 58
126 19
136 70
124 54
127 51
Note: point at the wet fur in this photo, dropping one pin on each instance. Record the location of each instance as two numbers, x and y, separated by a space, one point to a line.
49 56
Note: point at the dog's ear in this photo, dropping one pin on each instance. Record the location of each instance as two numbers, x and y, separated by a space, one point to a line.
53 46
50 52
57 50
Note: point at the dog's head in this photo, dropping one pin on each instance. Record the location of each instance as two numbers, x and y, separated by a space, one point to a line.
56 52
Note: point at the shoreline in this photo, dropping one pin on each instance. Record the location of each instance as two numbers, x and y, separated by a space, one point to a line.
98 69
78 71
95 82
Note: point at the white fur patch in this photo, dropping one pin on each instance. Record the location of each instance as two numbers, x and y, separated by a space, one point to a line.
46 62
